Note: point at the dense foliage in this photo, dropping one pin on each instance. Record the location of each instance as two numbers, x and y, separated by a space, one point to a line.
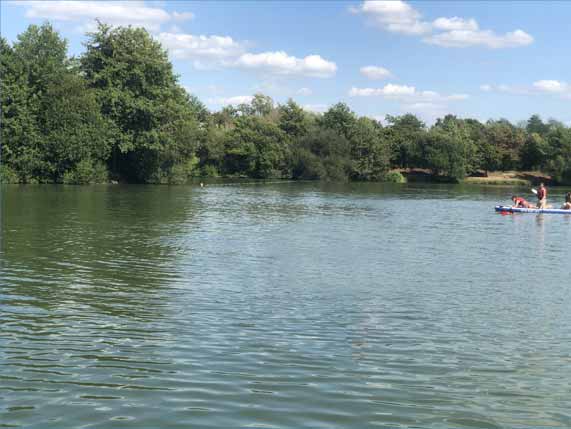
119 113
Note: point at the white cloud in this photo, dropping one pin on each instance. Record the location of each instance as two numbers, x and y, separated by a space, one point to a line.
281 63
316 108
215 89
238 99
223 51
429 104
304 92
404 92
426 111
510 89
204 51
545 86
388 90
457 97
394 16
553 86
429 94
375 72
175 29
449 32
135 13
378 118
182 16
455 23
486 38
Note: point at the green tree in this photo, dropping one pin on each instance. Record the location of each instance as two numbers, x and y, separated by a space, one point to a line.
506 141
257 148
292 119
339 118
156 124
534 152
19 143
58 123
463 134
559 159
43 54
445 155
370 154
37 59
262 105
121 107
198 109
481 153
225 117
211 152
536 125
404 134
75 132
322 153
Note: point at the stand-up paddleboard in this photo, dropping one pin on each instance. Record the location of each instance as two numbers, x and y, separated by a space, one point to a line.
508 209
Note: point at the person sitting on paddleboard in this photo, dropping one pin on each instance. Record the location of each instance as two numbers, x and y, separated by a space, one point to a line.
567 205
541 196
521 203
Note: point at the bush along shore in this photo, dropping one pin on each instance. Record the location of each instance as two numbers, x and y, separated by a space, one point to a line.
118 113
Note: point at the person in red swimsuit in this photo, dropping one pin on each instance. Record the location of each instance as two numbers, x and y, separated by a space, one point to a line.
541 196
520 202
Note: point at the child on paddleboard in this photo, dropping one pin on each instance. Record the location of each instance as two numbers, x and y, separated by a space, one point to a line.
520 202
567 205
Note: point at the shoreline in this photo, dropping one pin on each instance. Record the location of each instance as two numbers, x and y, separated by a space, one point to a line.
413 175
514 178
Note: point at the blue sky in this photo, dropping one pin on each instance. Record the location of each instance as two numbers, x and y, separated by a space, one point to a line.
473 59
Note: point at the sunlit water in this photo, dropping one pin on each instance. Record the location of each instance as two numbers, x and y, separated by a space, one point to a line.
293 305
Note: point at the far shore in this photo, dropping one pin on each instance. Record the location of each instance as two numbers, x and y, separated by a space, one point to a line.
499 178
515 178
523 178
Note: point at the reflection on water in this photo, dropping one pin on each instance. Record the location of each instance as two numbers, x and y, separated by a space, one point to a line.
284 306
540 221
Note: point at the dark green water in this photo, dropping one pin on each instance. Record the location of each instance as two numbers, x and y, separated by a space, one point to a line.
295 305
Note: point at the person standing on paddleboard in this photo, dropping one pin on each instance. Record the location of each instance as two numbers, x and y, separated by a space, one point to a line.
567 205
542 196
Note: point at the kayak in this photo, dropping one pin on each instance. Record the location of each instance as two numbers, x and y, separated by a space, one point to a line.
508 209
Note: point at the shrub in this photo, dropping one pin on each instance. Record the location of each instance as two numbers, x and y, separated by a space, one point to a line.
86 172
177 174
7 175
307 166
209 170
394 177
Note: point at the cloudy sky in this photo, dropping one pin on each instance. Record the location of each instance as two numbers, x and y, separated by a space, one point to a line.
474 59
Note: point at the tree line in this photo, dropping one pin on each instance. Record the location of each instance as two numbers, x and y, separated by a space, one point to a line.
117 112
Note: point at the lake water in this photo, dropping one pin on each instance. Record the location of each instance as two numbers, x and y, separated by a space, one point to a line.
290 305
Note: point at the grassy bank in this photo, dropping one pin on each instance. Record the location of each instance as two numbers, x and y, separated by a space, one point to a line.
496 181
514 178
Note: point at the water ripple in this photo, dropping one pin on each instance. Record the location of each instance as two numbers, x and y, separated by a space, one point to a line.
281 306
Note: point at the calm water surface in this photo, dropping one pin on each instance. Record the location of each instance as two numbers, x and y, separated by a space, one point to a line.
293 305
